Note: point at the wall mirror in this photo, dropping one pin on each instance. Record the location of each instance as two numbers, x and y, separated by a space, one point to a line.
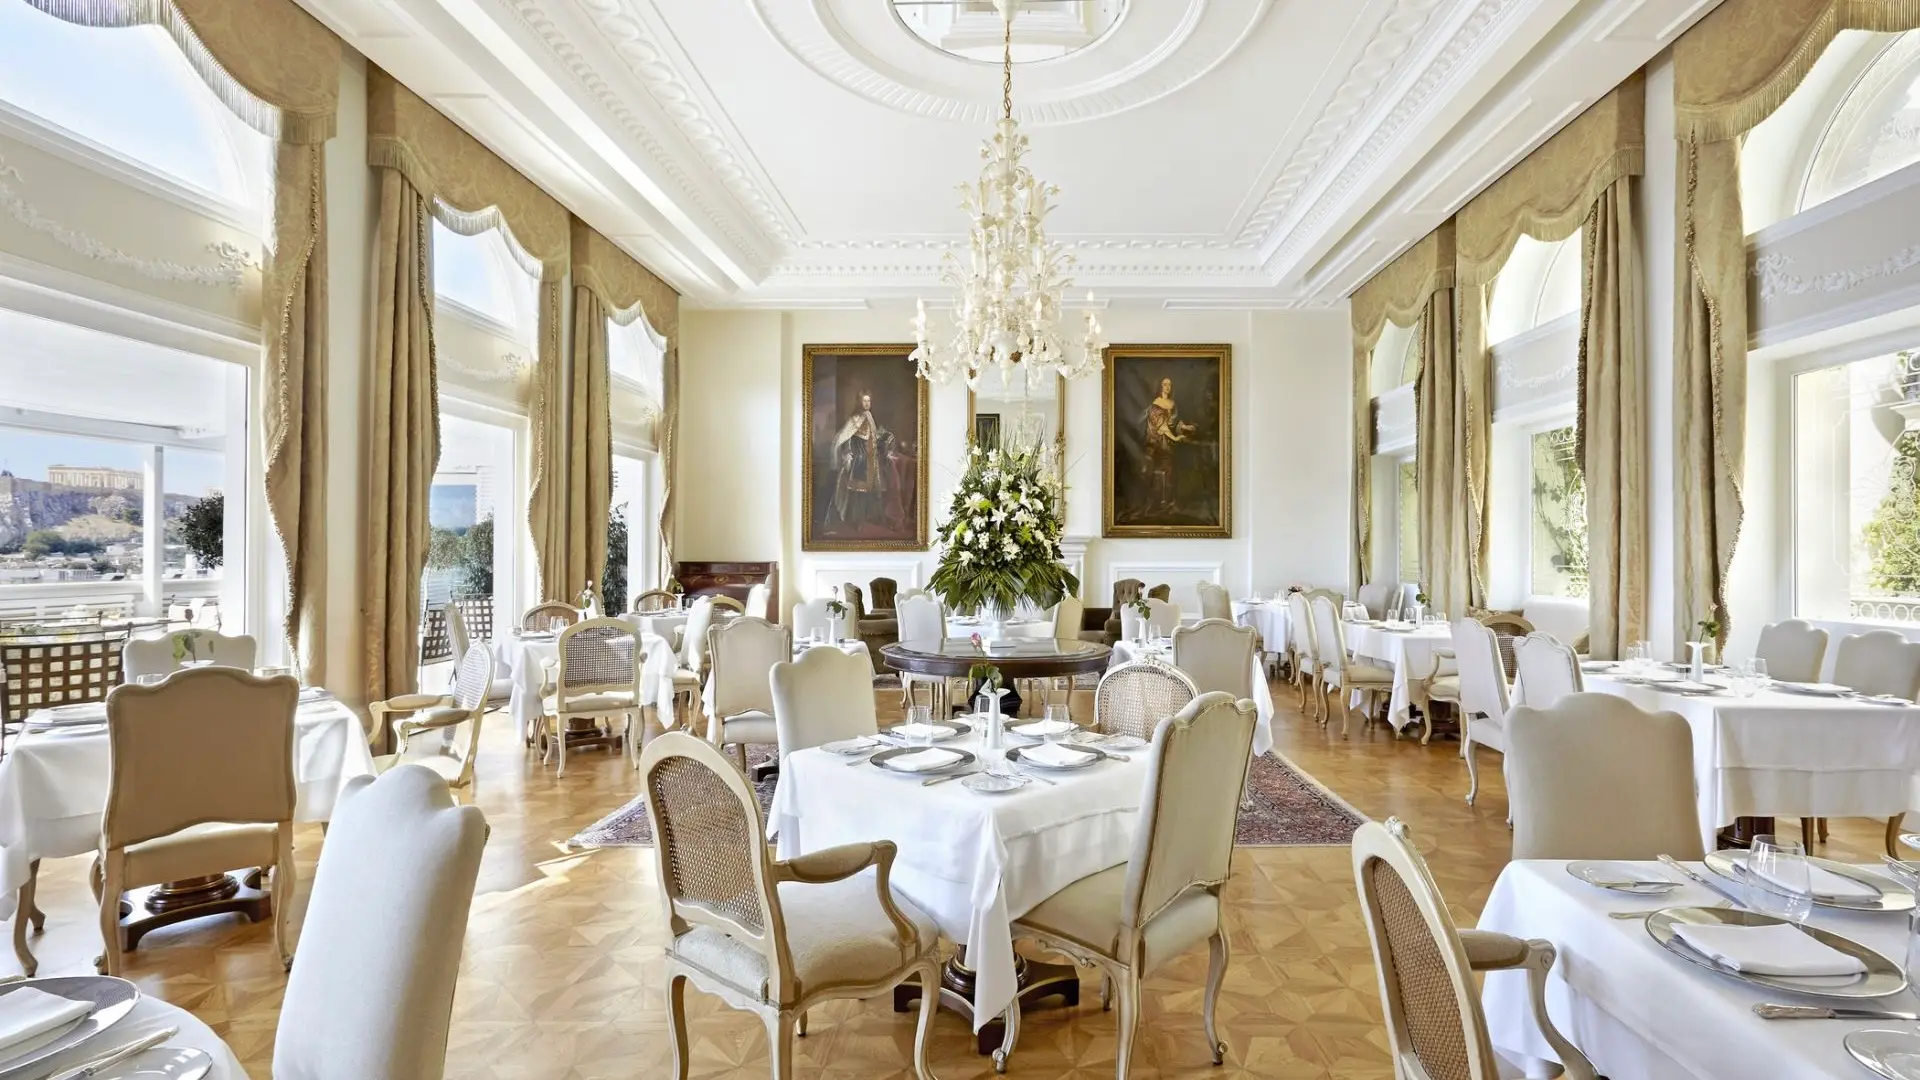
1020 412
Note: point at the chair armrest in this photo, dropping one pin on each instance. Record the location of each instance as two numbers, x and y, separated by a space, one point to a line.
412 702
839 863
1488 951
1538 961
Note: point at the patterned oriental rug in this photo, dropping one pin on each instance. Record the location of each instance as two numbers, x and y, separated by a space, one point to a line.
1289 809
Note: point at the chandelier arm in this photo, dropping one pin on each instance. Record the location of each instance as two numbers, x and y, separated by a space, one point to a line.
1006 68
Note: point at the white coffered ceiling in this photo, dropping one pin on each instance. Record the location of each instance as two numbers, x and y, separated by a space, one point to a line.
1211 153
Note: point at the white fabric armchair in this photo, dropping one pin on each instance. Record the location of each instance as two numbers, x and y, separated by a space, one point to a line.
772 937
744 653
1484 696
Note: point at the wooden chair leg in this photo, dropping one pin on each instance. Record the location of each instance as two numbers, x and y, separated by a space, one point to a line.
1893 834
1806 834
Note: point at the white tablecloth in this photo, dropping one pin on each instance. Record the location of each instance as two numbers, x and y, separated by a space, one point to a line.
660 625
1126 652
854 648
1270 618
1779 754
973 862
961 626
529 667
1408 653
53 787
1638 1011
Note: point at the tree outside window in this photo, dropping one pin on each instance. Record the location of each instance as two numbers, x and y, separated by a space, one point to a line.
1559 554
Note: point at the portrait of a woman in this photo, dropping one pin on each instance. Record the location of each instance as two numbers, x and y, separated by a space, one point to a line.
1163 429
1168 439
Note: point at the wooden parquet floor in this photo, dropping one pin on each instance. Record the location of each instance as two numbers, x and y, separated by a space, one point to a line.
561 974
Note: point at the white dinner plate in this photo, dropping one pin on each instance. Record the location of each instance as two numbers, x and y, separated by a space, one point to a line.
853 747
1040 729
1621 877
1882 978
1815 689
961 760
112 1000
161 1063
954 730
1093 757
1688 686
989 784
1894 1055
1598 665
1122 742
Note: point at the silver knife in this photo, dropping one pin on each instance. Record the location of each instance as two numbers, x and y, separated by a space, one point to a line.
115 1057
1769 1011
1674 863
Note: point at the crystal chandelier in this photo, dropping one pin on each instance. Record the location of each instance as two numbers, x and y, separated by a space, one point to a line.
1008 301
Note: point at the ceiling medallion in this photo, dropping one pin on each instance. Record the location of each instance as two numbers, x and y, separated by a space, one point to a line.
1042 29
1008 302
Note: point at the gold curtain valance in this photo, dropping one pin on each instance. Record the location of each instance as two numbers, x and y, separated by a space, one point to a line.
1399 291
1740 63
270 62
1550 193
443 162
622 283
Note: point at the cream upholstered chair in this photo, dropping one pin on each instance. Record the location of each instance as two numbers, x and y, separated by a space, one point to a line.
690 674
1795 650
1162 619
1377 598
1216 655
654 600
166 655
597 678
1877 662
1301 655
904 593
1484 696
540 617
1215 603
744 652
1129 919
1566 760
1132 698
1339 671
824 696
1546 670
500 691
760 602
773 937
200 782
1068 614
453 759
921 618
371 996
816 617
1435 1025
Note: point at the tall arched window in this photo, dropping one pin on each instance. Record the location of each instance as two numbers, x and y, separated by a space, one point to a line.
1540 283
1876 129
482 274
129 92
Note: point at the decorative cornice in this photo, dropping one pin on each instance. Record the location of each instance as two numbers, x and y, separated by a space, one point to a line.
643 55
229 269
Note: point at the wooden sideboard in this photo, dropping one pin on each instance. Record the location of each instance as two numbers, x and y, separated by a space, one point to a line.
729 579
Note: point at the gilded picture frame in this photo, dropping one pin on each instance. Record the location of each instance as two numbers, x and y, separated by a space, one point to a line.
1166 458
863 486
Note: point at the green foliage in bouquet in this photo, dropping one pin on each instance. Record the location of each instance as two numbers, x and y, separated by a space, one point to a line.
1001 539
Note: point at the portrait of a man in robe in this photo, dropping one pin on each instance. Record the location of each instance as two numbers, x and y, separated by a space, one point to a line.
864 473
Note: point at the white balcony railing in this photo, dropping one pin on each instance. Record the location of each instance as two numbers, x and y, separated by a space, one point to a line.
1904 609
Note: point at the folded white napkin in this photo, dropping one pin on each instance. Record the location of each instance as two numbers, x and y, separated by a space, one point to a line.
1826 689
1825 883
93 712
27 1012
923 760
1040 728
1775 949
1054 755
920 731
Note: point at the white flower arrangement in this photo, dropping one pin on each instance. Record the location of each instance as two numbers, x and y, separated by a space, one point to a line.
1001 540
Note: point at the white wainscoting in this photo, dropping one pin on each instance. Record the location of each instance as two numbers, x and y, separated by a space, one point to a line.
824 576
1183 576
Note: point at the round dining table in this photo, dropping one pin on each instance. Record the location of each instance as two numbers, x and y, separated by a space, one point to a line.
1017 658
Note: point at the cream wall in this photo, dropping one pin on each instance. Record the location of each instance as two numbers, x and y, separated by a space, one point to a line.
738 488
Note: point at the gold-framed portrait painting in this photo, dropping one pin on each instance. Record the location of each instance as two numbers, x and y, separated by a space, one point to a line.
863 475
1167 453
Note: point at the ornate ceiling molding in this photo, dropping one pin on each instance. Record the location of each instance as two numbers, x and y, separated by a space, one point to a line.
1161 48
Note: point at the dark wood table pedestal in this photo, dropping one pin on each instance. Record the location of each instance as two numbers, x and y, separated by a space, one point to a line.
1037 981
191 898
1740 834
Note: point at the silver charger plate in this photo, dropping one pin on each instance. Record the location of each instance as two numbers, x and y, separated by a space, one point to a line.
962 759
161 1063
1882 977
112 1000
1093 757
1833 690
1691 688
1621 878
1894 1055
1117 742
953 730
991 784
1728 864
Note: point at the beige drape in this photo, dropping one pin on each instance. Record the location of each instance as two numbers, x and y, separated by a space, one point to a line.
622 284
1440 465
1731 71
589 449
1415 288
1613 423
403 444
470 189
1582 177
278 70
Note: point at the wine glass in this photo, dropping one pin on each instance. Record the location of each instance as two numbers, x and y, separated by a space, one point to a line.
1761 677
150 678
920 731
1059 724
1779 881
556 624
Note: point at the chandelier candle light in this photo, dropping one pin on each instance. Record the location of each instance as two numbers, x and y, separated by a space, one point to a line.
1008 303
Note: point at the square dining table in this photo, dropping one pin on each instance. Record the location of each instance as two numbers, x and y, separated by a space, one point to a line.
1636 1010
1785 754
973 862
